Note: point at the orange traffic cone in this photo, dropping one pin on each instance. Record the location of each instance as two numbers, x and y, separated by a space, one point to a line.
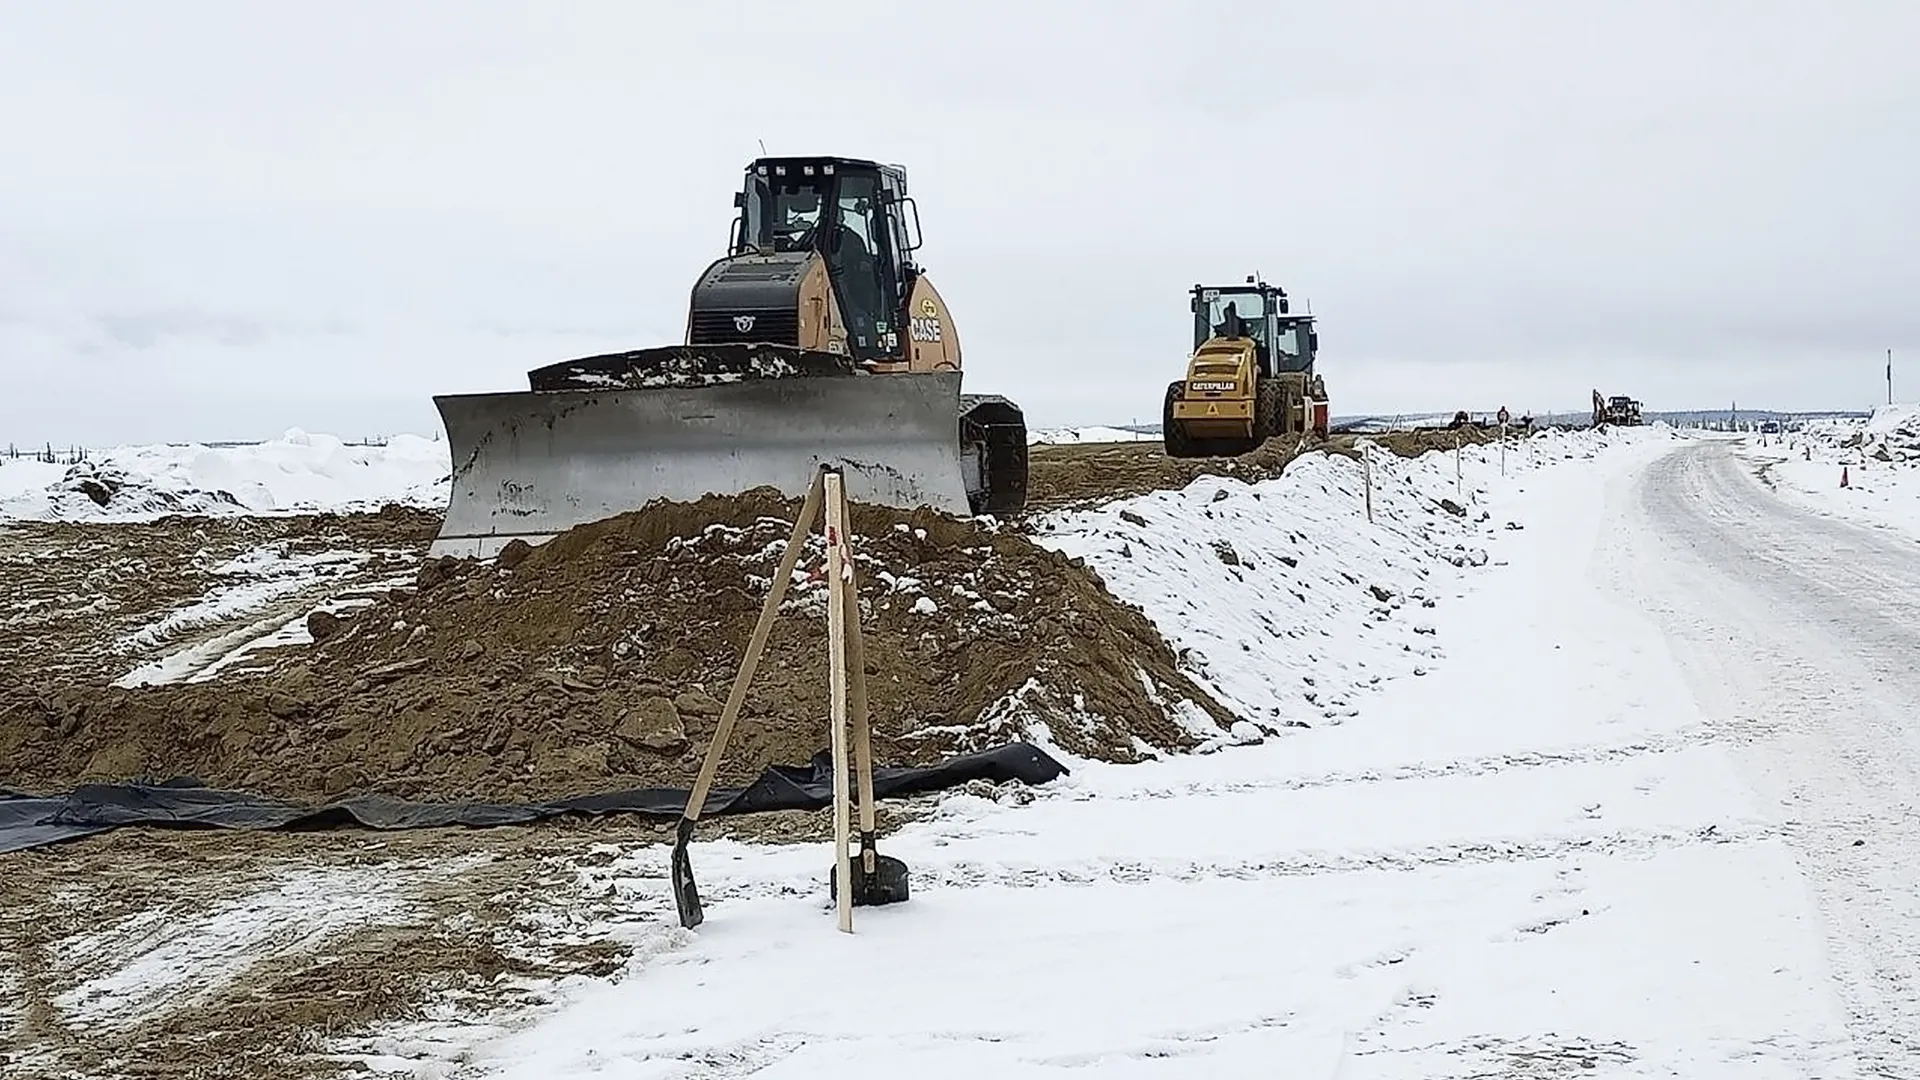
1843 477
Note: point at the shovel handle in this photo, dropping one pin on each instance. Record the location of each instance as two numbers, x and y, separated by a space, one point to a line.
796 540
861 718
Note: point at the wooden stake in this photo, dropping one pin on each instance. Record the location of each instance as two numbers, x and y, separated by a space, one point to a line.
1366 470
838 566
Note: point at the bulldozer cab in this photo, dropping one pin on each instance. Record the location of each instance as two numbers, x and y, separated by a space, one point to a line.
855 215
1283 341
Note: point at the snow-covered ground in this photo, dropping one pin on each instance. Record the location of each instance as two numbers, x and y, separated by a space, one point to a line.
1535 860
1284 599
1879 459
1798 633
296 472
1516 809
1089 435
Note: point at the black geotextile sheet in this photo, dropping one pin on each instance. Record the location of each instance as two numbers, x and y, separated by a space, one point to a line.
28 821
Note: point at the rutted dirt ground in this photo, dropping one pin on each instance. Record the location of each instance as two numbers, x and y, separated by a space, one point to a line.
75 599
213 955
590 663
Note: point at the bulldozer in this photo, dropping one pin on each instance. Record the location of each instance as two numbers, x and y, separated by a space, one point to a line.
816 339
1250 376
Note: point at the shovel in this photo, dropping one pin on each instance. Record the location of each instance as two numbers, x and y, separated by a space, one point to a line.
877 879
686 894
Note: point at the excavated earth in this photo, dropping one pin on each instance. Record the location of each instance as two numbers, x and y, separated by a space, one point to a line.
597 661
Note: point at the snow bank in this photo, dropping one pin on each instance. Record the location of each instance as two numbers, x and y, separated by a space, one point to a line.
297 472
1895 427
1890 432
1281 597
1879 458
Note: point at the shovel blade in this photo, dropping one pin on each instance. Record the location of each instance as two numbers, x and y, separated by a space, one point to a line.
886 885
686 895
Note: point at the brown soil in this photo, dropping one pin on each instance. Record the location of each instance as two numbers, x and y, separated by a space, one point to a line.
597 660
460 925
1076 474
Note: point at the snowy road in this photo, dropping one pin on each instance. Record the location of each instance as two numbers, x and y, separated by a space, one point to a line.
1800 636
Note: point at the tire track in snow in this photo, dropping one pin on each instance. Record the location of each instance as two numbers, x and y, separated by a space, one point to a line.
730 1060
1798 635
966 874
1635 844
1488 765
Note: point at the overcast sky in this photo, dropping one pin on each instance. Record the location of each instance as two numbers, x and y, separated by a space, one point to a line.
222 220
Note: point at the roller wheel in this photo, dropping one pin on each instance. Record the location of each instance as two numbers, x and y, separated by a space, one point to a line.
1172 435
1268 420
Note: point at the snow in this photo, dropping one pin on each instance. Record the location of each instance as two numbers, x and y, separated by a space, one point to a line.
1282 598
1895 423
13 1018
1535 860
1478 822
1095 434
294 473
1798 634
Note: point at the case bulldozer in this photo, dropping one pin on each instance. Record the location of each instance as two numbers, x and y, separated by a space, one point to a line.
1250 376
816 339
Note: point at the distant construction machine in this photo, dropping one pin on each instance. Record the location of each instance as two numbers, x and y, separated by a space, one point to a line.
1250 376
1618 411
816 339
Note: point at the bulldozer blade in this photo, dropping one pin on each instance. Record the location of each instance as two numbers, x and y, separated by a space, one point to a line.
533 464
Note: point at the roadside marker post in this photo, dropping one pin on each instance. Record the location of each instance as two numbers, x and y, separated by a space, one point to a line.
1366 472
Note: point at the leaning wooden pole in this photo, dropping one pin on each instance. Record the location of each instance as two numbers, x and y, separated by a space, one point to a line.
839 566
686 892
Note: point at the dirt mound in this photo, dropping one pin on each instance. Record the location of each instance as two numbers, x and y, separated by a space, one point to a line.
1069 475
598 660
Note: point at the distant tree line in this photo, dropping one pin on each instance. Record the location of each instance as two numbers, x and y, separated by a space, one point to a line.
72 455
